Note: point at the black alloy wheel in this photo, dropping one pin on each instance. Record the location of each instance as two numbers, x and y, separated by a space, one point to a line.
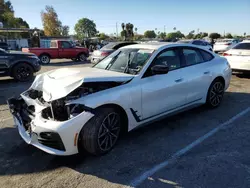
109 131
216 92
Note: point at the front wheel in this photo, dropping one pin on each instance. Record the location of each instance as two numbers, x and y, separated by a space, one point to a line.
23 72
99 135
215 93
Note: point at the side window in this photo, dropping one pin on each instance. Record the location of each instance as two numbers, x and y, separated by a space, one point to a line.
192 56
66 44
169 58
206 56
242 46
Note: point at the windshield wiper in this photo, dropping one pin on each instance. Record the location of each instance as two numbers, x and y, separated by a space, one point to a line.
128 64
112 61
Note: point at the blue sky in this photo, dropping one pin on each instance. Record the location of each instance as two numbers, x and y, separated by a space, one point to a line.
208 16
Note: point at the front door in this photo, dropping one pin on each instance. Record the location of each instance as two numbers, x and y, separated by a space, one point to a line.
165 92
66 50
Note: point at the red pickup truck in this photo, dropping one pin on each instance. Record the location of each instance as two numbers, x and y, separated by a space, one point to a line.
59 49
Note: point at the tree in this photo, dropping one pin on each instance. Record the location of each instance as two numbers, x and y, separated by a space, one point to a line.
51 24
103 36
85 28
127 31
204 34
175 35
65 30
150 34
229 36
136 29
162 35
214 35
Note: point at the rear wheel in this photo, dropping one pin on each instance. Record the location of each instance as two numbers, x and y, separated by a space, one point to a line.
215 93
45 59
22 72
82 57
101 133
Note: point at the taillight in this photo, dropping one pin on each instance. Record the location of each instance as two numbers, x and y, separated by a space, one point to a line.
226 54
104 53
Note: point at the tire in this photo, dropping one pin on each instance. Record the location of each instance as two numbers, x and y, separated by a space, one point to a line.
23 72
82 57
45 59
215 93
98 137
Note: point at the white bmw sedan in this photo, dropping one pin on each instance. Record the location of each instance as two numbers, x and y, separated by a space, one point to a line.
68 109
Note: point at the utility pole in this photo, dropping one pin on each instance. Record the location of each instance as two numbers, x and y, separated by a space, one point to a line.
164 29
116 29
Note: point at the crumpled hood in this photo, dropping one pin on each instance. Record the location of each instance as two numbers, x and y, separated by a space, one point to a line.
58 83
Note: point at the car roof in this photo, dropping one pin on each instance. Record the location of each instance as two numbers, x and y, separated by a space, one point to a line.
159 45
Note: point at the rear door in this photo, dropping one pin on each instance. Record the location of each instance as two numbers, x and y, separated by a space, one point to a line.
239 56
198 72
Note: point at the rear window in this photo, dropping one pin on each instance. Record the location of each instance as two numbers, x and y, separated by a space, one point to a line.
242 46
109 45
53 44
206 55
184 41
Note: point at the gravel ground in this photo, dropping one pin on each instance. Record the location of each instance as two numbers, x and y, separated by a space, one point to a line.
221 161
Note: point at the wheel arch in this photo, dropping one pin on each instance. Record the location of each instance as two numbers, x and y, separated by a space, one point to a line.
216 78
82 53
44 53
18 63
124 115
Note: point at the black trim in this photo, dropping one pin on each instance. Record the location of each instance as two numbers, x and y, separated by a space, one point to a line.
137 118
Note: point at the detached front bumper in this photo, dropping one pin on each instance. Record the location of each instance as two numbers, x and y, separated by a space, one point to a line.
53 137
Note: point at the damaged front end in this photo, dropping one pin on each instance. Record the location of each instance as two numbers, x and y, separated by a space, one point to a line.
31 109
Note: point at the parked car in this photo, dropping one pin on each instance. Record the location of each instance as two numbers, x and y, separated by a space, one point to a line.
59 49
98 55
20 66
239 56
223 45
4 46
202 43
72 108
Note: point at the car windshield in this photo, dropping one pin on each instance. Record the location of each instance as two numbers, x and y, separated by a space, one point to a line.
2 51
126 60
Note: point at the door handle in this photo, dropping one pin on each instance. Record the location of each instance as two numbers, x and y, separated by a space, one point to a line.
179 80
206 72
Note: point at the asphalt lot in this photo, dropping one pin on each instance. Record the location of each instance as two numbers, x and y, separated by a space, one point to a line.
221 160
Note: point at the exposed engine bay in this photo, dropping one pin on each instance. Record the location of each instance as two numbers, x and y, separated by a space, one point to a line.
58 110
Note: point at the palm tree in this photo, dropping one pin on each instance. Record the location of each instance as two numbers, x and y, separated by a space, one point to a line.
174 28
136 29
123 26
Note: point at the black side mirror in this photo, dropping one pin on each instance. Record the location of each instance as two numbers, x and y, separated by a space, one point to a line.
159 69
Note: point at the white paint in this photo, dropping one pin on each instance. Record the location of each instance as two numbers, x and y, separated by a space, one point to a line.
137 181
